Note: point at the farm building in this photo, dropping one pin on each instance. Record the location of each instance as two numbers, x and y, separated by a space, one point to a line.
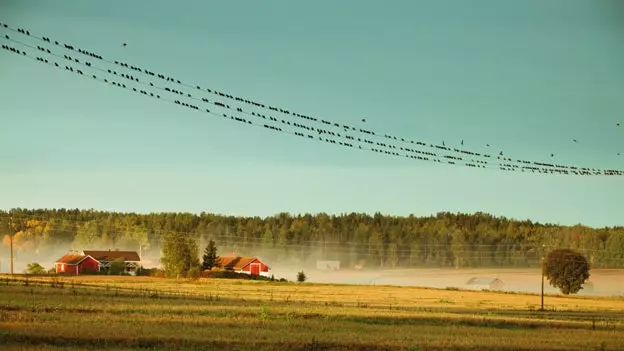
76 264
239 264
328 265
131 259
485 283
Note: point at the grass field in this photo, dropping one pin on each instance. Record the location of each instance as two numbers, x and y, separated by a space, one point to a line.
142 313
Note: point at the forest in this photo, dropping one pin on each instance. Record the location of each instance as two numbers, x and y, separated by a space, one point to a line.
358 240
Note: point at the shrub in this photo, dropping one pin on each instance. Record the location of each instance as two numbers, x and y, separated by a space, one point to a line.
35 268
117 267
155 272
193 273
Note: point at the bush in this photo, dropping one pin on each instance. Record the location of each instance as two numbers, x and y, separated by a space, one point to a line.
223 274
155 272
117 267
142 272
35 268
52 270
301 277
193 273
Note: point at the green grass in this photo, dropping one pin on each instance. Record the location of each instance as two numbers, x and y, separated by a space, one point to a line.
142 313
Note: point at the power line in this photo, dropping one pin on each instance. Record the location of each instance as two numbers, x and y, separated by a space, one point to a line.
271 108
546 168
243 120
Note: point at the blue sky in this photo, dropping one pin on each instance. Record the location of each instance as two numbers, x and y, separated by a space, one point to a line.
524 76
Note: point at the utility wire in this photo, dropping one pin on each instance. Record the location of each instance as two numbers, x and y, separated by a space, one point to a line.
503 166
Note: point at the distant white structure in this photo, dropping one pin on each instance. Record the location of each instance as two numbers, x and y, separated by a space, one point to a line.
328 265
485 283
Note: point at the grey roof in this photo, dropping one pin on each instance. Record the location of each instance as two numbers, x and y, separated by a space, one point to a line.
483 281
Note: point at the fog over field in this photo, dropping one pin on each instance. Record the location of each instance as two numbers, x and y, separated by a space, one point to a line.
605 282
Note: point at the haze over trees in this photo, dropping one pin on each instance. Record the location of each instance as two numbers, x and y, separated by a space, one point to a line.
377 241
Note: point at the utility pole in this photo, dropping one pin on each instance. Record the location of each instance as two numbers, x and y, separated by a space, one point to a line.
11 239
543 248
11 230
541 309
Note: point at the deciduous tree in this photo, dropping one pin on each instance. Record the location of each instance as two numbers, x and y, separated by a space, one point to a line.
567 270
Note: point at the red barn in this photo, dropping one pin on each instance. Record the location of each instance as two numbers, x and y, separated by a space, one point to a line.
76 264
248 265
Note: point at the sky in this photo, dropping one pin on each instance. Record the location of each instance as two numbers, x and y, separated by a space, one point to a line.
526 77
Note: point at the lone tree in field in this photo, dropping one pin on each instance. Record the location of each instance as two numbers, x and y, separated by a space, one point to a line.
566 270
209 259
301 277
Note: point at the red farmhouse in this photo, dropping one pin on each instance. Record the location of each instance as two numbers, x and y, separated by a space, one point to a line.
76 264
249 265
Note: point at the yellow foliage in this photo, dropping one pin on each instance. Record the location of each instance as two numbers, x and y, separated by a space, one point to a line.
33 223
6 241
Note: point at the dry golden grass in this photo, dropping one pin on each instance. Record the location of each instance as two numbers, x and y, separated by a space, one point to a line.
128 313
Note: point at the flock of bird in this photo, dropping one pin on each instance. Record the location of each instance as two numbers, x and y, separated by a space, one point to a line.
331 131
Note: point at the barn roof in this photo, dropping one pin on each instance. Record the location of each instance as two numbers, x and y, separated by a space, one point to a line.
235 262
483 281
71 259
111 255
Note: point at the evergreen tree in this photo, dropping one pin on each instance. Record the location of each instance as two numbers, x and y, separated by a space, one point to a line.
209 259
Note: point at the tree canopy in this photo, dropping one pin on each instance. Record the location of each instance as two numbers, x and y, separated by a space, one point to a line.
372 241
567 270
179 255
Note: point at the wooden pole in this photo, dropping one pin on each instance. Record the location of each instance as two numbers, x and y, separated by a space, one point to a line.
11 240
542 284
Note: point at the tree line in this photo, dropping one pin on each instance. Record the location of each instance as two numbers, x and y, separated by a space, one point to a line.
357 240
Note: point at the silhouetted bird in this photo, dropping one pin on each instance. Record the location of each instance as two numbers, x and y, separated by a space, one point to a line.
501 153
364 120
124 44
462 142
617 124
552 155
574 140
